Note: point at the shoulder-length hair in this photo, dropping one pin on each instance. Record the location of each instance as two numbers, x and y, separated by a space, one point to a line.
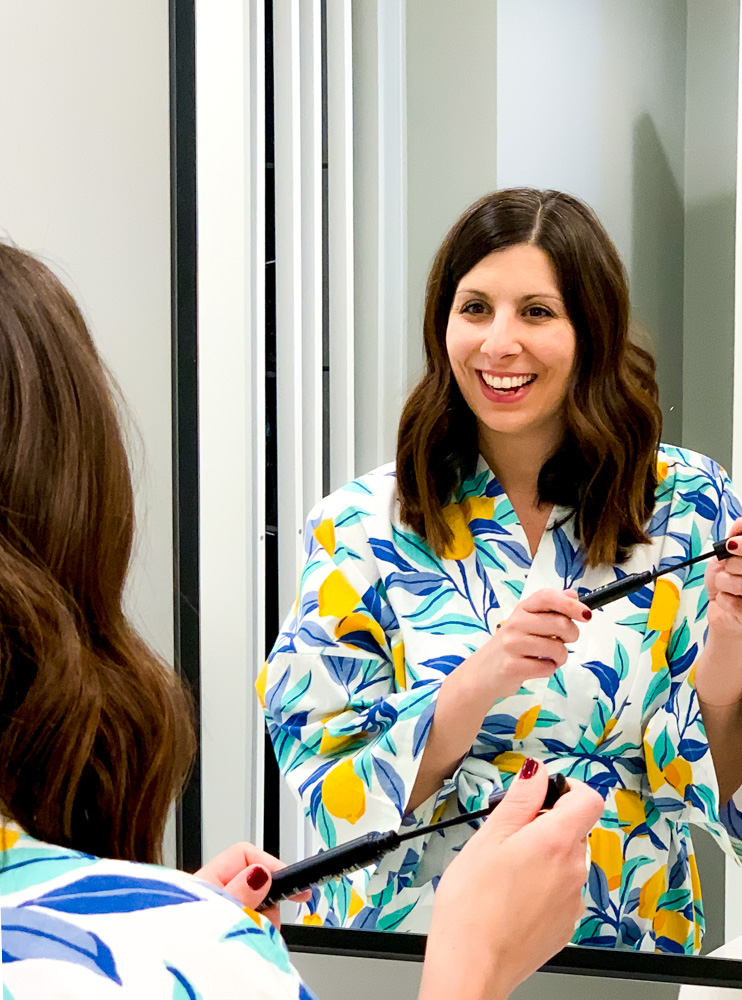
96 734
605 469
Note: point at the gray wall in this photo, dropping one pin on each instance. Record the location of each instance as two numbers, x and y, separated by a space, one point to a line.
84 183
601 114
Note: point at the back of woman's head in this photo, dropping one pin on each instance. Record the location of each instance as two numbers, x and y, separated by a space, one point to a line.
605 469
95 731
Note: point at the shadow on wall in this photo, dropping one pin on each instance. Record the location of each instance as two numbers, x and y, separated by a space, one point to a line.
708 351
657 267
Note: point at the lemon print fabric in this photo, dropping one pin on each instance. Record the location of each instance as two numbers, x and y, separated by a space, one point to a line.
351 685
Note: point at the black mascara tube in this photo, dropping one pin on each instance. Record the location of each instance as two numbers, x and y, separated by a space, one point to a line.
635 581
372 847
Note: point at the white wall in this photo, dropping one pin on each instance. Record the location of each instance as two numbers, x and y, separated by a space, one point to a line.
600 113
84 183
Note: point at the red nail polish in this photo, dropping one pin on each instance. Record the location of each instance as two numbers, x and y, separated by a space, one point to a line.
256 877
587 615
529 768
731 544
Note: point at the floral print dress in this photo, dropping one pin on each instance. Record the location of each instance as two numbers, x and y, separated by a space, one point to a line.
75 927
350 690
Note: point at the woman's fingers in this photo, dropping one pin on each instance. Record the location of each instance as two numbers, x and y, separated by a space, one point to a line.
557 601
251 886
549 623
535 647
230 863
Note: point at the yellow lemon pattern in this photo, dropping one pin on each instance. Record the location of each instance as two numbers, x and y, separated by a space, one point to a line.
605 852
353 681
343 794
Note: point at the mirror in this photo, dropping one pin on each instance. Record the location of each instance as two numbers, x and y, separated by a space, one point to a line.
630 107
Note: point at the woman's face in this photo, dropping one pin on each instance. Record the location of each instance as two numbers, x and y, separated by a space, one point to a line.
510 343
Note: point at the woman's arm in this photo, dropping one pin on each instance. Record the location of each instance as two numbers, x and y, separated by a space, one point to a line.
509 901
718 675
531 643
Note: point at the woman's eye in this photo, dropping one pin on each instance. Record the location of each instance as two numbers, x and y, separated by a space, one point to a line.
538 312
474 308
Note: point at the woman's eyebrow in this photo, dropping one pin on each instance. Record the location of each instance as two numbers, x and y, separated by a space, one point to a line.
472 291
543 295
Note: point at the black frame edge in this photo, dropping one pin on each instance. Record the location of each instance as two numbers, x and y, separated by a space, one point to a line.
576 961
184 332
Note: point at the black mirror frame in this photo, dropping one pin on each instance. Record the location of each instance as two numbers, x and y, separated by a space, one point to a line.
700 971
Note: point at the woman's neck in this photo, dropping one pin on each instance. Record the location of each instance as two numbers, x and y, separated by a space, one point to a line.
517 461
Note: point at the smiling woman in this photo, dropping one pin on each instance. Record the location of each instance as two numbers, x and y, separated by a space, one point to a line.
439 639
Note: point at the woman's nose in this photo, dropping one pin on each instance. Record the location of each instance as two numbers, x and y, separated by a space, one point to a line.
502 336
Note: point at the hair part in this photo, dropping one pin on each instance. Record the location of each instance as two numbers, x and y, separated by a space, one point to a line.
96 732
605 468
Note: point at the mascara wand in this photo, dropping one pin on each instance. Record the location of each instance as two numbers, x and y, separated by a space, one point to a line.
372 847
635 581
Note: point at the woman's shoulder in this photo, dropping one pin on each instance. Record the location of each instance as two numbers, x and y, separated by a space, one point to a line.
115 921
372 493
682 464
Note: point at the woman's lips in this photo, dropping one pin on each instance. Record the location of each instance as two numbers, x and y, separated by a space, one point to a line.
507 396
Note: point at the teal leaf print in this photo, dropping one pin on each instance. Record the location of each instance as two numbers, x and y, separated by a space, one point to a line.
325 826
663 750
184 990
28 934
30 866
391 921
112 894
621 661
658 686
415 549
266 942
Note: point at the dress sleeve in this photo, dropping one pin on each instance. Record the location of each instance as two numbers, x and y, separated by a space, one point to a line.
347 732
680 770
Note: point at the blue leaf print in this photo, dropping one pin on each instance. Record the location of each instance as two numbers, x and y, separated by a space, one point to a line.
692 749
606 675
314 635
445 664
515 552
703 504
422 726
343 669
598 886
418 583
184 990
112 894
568 564
659 520
391 784
365 641
386 552
366 919
28 934
316 775
305 993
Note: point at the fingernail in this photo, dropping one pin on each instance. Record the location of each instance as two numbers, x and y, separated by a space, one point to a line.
256 877
587 615
731 544
529 768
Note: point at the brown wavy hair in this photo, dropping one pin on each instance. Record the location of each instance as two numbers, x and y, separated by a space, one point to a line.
96 733
605 469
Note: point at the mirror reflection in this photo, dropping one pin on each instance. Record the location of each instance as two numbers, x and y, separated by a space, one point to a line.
439 640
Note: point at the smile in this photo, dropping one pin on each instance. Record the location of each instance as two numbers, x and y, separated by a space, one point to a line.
511 382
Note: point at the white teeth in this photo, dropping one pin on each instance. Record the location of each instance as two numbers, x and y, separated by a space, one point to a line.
507 381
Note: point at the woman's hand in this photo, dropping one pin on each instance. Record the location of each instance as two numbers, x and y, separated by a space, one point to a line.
531 643
245 872
724 586
718 674
511 898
